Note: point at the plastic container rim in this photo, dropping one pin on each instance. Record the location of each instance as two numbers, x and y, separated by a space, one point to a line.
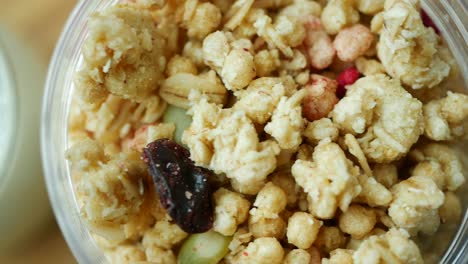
9 109
57 97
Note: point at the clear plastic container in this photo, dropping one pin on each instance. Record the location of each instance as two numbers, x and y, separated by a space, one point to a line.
449 15
22 189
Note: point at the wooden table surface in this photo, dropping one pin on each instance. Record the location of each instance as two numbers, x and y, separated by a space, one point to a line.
38 23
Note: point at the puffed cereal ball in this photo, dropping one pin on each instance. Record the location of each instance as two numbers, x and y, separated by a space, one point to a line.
352 42
329 239
267 227
303 229
238 70
231 209
357 221
286 182
297 256
271 199
264 250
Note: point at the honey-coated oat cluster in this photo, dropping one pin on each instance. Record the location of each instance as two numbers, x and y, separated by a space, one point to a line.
312 115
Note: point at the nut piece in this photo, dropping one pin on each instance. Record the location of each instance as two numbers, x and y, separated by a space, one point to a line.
176 89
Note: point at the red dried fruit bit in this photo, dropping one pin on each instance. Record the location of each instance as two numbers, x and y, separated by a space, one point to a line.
347 77
320 98
183 188
428 22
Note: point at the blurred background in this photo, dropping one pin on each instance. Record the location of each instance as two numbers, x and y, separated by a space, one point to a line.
29 30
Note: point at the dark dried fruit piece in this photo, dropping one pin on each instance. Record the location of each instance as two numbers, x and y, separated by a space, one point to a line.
183 188
428 22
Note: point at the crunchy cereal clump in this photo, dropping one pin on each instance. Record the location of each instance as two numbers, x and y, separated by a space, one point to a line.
443 118
330 180
409 51
391 247
338 14
386 118
124 55
114 186
243 158
449 171
415 203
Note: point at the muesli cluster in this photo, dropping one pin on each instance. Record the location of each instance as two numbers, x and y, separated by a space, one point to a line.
326 127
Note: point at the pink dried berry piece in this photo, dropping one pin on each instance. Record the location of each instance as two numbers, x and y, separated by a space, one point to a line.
320 98
183 188
428 22
347 77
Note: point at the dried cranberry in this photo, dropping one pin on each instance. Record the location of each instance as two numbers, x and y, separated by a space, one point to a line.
428 22
183 188
347 77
